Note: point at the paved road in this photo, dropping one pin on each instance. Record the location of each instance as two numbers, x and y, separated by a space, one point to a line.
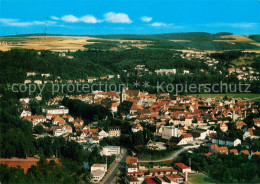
172 156
110 177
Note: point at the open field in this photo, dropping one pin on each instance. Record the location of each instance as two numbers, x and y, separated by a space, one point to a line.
54 43
200 179
236 38
229 95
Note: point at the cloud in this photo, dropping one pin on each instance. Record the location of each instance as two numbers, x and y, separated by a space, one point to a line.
89 19
17 23
146 19
69 18
113 17
55 18
85 19
160 24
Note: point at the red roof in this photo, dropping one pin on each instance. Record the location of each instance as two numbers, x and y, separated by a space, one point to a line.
131 160
151 180
182 166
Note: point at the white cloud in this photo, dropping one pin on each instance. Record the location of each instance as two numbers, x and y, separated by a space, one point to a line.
89 19
55 18
158 24
85 19
17 23
113 17
146 19
69 18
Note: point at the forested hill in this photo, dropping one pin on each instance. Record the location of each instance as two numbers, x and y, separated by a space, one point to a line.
169 36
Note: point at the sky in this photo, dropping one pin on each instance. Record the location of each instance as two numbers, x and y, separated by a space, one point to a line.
95 17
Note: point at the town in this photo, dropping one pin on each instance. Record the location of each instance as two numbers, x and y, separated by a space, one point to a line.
175 124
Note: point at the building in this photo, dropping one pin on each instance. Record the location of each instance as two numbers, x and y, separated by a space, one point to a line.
98 171
26 112
111 150
165 71
132 180
137 127
102 134
223 127
56 111
182 167
226 141
169 131
199 134
114 132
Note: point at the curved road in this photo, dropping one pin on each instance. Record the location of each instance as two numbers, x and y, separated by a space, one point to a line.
172 156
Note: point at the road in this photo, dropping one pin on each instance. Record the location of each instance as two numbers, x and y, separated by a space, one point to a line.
172 156
110 177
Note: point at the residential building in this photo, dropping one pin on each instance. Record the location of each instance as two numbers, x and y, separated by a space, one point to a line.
111 150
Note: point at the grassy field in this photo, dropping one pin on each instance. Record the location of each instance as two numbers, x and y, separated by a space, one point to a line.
229 95
201 179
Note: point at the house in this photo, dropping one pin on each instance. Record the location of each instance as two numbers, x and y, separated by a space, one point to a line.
98 171
169 131
37 81
239 124
131 160
246 152
165 71
134 108
182 167
137 127
94 140
130 179
26 112
199 134
114 107
257 122
187 137
223 127
57 120
102 134
216 149
91 79
114 132
234 151
59 130
111 150
131 164
70 118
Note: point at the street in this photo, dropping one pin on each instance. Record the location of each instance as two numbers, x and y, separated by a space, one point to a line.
113 170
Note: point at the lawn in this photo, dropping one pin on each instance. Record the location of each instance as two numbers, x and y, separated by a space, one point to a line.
229 95
201 179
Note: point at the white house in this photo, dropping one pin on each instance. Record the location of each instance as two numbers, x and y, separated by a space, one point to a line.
56 111
26 112
102 134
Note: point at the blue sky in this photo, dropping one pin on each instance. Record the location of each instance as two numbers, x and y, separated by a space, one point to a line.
90 17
